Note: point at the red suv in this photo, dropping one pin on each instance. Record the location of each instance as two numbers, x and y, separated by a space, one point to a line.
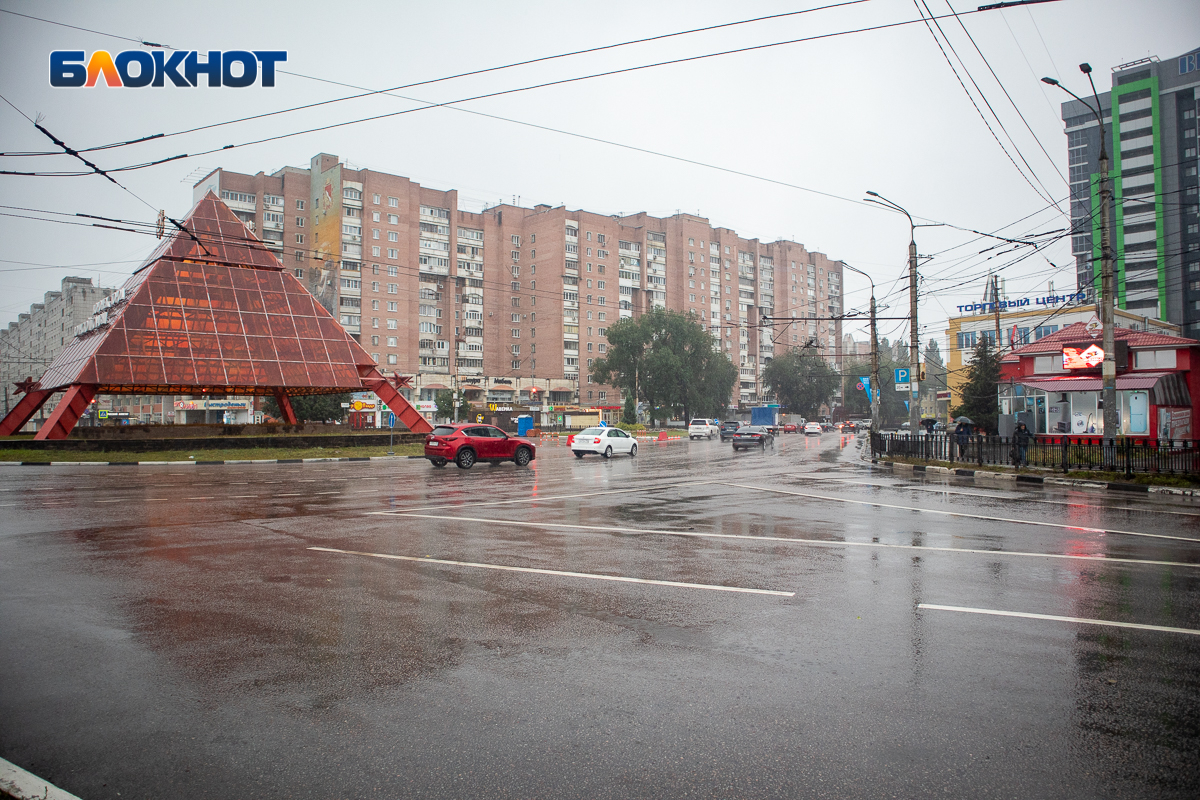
466 443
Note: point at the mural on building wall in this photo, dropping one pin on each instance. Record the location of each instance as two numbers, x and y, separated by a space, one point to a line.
321 275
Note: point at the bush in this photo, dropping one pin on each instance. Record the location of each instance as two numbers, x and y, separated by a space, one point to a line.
634 428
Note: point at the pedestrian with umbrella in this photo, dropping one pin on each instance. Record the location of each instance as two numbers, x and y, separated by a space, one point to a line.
962 435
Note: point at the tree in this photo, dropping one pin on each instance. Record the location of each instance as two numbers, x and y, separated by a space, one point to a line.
801 381
979 391
629 412
667 360
935 368
445 404
311 408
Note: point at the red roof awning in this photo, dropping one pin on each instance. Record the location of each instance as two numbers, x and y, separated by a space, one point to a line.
434 386
1168 385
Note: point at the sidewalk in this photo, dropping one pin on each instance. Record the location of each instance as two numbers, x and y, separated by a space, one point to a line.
1009 475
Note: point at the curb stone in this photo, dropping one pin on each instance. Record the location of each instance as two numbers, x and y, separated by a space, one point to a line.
191 463
24 785
985 476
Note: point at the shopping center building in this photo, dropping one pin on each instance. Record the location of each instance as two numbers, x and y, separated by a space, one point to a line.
1023 321
1054 384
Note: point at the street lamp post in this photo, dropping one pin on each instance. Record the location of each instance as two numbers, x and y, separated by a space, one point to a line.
874 388
914 358
1108 371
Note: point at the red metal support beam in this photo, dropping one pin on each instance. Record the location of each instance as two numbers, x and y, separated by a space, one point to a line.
67 412
23 411
285 408
404 410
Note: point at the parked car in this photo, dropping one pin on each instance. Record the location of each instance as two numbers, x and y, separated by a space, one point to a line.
728 429
790 427
466 443
703 429
812 427
604 441
753 436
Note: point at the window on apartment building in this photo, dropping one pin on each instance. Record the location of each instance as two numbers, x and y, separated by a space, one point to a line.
300 255
374 322
393 288
516 240
375 215
516 302
393 253
516 255
299 272
375 233
375 251
299 205
393 219
391 341
299 238
375 199
392 271
516 271
391 306
299 222
374 286
394 202
391 324
392 359
393 236
374 341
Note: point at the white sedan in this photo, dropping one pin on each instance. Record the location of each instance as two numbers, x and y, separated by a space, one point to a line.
604 441
812 427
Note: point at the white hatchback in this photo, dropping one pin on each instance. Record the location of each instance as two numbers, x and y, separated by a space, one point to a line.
604 441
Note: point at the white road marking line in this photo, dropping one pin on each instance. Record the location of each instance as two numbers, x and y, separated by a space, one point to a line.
327 492
535 570
964 515
544 498
288 494
1055 618
201 498
814 542
241 496
1023 497
22 783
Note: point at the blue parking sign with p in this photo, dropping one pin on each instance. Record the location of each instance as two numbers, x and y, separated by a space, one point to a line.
902 375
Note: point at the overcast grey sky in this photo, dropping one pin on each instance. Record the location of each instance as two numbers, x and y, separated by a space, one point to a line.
878 110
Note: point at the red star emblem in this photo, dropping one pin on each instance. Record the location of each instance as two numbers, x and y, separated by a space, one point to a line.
401 382
26 386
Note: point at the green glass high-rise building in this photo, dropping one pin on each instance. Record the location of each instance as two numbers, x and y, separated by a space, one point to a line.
1152 146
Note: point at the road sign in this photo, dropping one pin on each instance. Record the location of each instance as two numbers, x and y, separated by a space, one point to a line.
902 375
391 419
860 387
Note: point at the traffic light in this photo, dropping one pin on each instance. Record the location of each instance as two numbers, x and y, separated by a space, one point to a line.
921 377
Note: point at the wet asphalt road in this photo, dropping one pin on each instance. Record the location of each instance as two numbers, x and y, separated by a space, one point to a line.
168 632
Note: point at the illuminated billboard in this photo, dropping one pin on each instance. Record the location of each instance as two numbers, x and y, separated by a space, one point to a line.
1082 357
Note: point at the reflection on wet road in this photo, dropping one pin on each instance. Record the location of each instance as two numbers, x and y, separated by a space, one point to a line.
690 621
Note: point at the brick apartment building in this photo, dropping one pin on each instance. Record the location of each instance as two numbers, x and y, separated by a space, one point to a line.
28 345
515 299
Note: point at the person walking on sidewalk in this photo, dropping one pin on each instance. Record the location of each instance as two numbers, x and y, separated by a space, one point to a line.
1021 439
963 435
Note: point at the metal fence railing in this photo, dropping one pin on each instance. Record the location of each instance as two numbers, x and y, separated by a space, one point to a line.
1064 453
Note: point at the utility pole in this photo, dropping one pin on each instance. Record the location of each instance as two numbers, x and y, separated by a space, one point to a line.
875 386
1108 370
914 357
873 394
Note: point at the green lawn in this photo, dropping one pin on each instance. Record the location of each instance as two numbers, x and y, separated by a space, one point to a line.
228 454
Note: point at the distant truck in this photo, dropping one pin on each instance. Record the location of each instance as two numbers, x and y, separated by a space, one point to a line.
765 415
